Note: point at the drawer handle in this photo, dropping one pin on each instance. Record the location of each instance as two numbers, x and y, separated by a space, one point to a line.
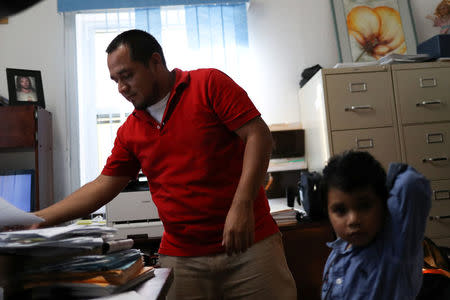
428 82
437 218
364 143
445 195
433 159
435 138
425 103
357 87
359 107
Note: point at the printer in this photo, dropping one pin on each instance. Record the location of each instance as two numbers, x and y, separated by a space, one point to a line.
133 212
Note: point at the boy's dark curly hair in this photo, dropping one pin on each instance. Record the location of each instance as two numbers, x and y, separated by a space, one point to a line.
354 170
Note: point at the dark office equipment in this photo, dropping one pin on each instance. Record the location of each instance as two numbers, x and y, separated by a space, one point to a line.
437 46
288 143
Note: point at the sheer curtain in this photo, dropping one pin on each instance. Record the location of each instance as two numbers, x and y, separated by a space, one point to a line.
192 37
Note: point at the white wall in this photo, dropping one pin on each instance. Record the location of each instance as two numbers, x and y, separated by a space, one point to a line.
285 37
34 40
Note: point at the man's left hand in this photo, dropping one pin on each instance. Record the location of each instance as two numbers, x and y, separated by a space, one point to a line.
238 233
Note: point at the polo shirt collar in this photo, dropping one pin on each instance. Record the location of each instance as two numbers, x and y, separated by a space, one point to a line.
339 245
182 79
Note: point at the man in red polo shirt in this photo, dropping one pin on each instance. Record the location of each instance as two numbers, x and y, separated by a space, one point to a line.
205 150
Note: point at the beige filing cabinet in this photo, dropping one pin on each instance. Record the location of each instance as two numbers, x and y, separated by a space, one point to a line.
422 94
396 112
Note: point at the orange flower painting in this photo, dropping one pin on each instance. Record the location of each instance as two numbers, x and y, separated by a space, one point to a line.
375 32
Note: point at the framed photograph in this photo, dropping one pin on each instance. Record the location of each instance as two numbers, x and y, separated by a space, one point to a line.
25 87
436 13
370 29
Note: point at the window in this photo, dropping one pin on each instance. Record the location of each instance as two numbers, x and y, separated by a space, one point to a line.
191 36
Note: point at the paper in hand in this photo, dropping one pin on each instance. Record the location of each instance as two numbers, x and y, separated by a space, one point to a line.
12 216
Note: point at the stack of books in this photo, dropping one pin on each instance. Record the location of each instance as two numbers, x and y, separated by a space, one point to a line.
74 262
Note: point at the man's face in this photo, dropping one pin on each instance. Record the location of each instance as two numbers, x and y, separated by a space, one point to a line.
135 81
443 10
356 217
25 82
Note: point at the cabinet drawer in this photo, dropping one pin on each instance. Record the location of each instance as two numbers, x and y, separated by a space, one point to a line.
360 100
440 198
440 207
380 142
438 228
423 95
428 149
17 126
443 242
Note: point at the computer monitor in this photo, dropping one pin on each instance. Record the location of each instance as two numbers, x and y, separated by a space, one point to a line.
288 143
18 188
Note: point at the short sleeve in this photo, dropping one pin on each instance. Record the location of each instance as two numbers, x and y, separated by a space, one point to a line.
121 162
229 101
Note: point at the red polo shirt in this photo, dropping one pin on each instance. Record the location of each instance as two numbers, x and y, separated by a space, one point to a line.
193 161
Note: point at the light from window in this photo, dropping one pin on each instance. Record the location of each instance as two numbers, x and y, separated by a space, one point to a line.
192 37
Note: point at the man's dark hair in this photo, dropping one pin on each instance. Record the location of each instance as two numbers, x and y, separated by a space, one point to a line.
354 170
141 45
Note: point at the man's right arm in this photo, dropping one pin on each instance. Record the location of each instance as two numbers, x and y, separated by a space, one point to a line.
83 201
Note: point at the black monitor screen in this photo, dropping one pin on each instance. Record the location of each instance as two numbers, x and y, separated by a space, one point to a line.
17 187
288 143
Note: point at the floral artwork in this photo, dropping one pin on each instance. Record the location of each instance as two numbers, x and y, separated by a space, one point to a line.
441 17
374 28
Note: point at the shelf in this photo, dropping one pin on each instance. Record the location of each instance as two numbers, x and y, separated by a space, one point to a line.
26 143
285 126
287 164
18 127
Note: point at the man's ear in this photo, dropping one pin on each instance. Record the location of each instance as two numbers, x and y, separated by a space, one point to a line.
155 59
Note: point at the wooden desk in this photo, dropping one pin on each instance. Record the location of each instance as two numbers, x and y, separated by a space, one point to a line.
306 254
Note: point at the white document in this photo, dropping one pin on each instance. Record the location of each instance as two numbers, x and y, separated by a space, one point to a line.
59 232
131 295
11 215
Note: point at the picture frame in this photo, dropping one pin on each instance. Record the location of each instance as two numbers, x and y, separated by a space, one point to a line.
25 87
355 23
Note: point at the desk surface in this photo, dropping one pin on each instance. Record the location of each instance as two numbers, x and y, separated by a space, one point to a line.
156 288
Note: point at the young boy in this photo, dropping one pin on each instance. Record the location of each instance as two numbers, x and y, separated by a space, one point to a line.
380 224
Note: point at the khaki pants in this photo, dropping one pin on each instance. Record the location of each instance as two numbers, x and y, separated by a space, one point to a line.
259 273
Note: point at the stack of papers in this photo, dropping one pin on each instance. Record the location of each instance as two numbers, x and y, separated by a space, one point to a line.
54 241
355 64
287 217
71 260
283 214
392 58
83 261
11 215
402 58
287 164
